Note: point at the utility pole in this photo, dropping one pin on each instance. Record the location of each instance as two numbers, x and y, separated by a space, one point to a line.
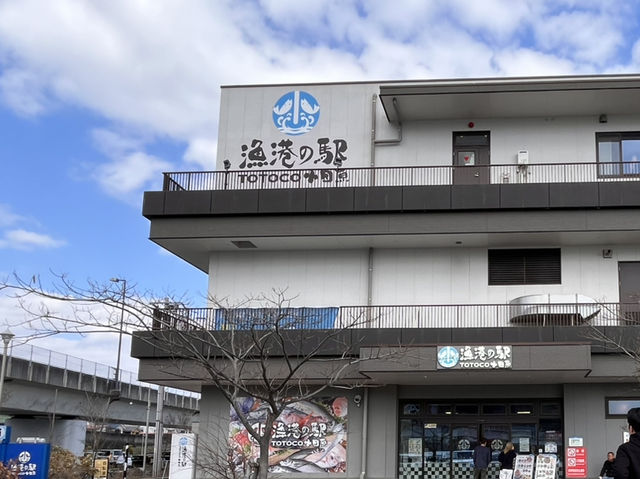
157 441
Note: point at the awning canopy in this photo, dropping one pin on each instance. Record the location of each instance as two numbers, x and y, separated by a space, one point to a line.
513 97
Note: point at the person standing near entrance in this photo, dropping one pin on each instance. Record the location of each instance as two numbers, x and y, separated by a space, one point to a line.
481 459
507 456
607 468
627 464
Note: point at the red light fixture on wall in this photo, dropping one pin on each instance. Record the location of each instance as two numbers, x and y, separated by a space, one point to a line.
471 124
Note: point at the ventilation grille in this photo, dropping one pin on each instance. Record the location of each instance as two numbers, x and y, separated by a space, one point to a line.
244 244
524 266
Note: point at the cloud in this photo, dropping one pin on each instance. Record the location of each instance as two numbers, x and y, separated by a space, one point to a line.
154 68
583 36
202 151
20 239
128 168
7 217
525 62
23 92
103 346
130 173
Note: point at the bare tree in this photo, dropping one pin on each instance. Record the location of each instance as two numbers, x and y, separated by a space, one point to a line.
95 410
614 334
275 354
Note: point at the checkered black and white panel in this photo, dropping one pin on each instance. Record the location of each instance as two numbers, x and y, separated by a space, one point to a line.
463 470
493 471
437 470
411 470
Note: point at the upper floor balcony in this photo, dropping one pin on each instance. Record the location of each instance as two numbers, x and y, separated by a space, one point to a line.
536 311
404 176
397 189
197 213
413 326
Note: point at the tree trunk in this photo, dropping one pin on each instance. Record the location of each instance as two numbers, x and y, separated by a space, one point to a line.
263 460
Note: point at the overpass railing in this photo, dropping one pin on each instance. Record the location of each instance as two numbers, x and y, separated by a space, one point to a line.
36 364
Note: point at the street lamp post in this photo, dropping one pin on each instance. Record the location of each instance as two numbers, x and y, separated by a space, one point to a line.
124 297
7 336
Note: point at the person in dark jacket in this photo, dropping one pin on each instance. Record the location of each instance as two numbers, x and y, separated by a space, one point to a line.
507 456
627 464
481 460
607 467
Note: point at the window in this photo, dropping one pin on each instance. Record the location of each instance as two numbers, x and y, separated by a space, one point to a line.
550 409
465 409
439 409
524 266
619 407
494 409
519 409
411 409
618 154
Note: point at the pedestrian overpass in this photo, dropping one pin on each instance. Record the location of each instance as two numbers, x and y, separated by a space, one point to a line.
54 395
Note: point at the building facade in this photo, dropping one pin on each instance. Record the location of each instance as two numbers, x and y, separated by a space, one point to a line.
489 227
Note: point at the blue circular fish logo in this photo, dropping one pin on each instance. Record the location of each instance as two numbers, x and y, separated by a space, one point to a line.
296 113
448 357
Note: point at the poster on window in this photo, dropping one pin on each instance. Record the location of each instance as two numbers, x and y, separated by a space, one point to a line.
309 436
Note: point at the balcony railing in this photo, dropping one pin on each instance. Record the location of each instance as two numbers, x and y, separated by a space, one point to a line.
401 176
408 316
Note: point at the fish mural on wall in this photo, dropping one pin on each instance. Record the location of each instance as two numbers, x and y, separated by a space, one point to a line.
308 437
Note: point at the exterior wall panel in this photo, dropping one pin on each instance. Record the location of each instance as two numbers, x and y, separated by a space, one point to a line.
309 278
405 276
584 416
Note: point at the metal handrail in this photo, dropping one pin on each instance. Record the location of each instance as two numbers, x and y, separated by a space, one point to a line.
407 316
579 172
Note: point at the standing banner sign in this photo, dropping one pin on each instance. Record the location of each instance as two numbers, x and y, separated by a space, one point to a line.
523 468
28 460
546 466
183 451
101 465
576 462
506 473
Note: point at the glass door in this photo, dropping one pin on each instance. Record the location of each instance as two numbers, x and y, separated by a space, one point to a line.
497 437
437 451
464 437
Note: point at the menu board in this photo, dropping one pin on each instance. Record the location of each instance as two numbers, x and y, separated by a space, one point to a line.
546 466
523 468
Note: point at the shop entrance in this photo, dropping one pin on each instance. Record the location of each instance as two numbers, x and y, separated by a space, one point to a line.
440 446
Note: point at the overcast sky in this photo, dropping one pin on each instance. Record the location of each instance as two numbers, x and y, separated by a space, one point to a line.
98 98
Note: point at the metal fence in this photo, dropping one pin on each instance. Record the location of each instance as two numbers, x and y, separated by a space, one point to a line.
130 385
409 316
401 176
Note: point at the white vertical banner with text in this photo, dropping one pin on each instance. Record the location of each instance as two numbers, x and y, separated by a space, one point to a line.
183 456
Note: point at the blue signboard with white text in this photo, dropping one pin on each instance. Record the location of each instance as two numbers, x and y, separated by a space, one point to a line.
27 460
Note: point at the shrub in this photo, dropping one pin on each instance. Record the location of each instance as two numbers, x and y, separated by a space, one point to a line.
63 464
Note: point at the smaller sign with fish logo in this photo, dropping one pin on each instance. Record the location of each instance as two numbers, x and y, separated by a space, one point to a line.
296 112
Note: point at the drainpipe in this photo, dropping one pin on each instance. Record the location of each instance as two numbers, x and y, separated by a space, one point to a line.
365 428
374 142
369 286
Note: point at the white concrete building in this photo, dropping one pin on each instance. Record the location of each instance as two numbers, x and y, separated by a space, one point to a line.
490 224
